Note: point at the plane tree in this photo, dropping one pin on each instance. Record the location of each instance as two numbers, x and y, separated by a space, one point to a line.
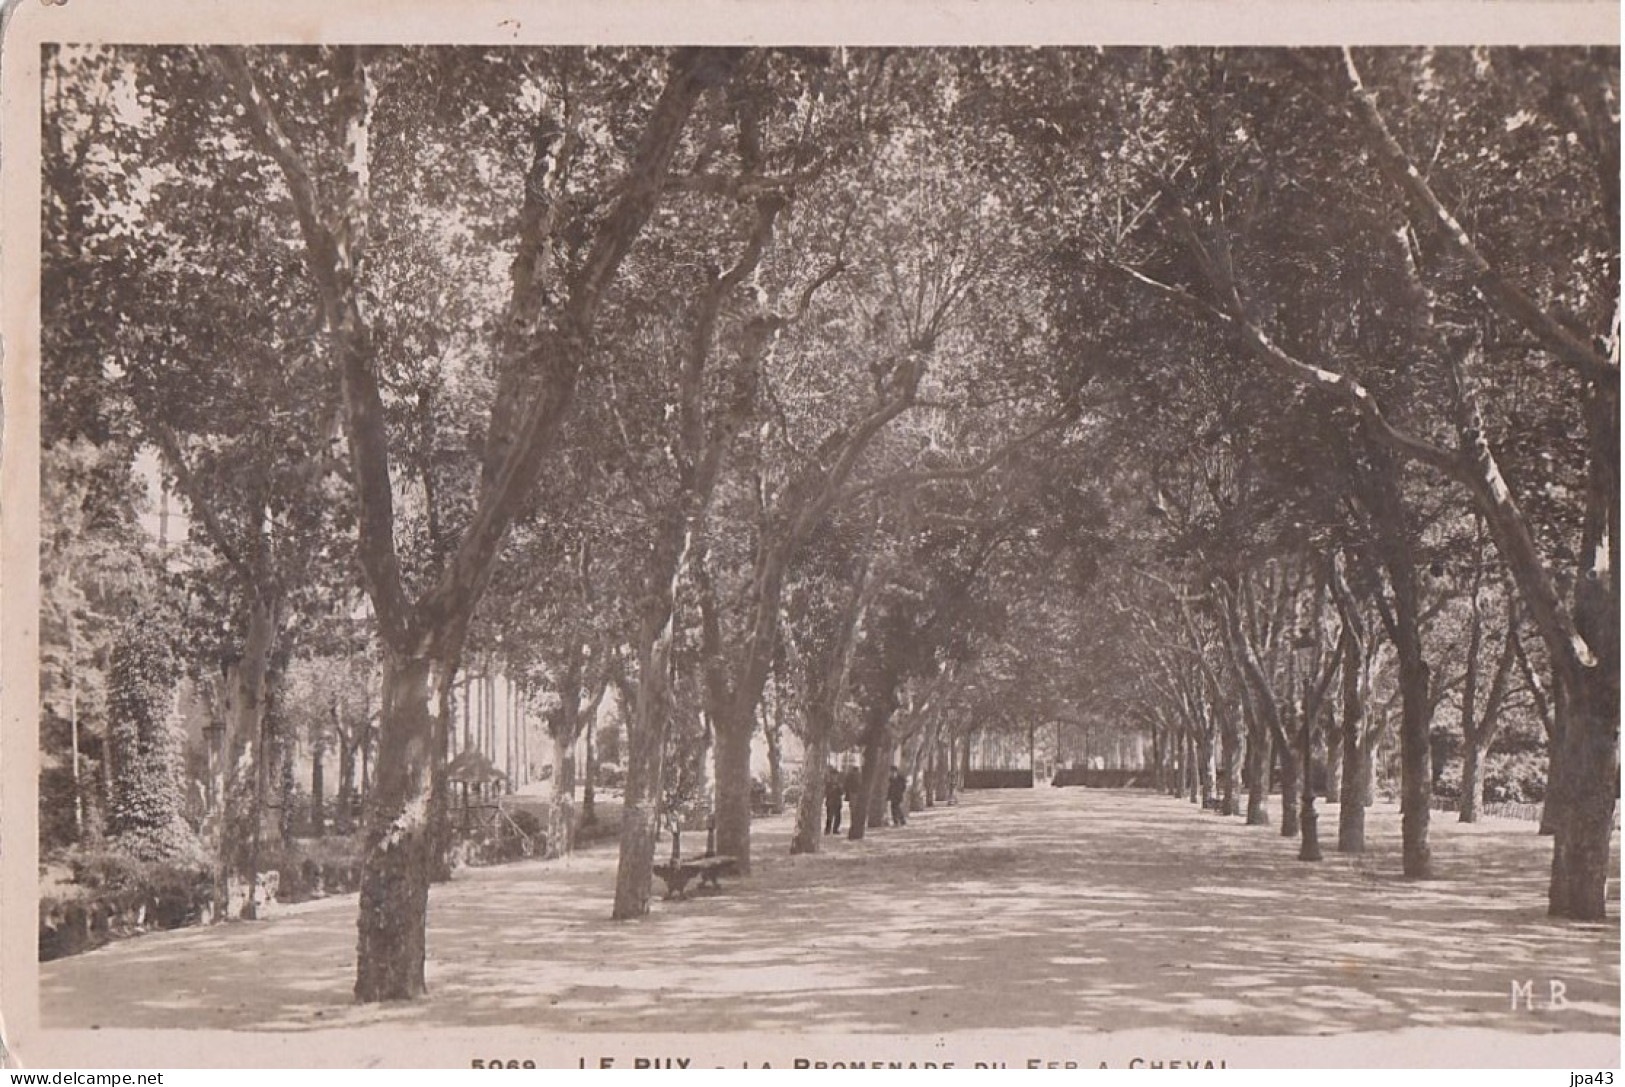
1267 263
832 583
904 303
403 172
183 270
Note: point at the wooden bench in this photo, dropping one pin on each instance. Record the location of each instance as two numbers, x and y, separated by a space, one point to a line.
707 870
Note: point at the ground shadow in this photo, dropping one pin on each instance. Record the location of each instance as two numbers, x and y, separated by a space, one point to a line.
1049 908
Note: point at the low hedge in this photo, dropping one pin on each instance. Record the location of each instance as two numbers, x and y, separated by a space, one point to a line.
113 896
110 896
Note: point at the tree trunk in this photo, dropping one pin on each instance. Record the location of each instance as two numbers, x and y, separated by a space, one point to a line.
1258 774
366 760
733 787
862 798
287 784
734 685
1549 720
280 787
398 836
877 785
1179 771
318 786
1589 784
645 765
640 819
1479 730
441 832
1288 763
648 724
1204 764
258 810
1416 756
1229 760
634 873
1258 708
810 808
928 776
564 764
346 795
246 681
772 730
1556 764
1394 533
1586 796
1351 797
1334 764
914 799
1159 772
564 723
1173 746
1356 755
589 779
1308 819
1472 781
1194 774
1472 728
73 727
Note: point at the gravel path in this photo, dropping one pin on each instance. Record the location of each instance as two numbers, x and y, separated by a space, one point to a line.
1047 909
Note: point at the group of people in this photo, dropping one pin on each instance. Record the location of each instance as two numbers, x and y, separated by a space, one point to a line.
840 787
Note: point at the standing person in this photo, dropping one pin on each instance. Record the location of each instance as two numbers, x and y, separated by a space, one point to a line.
896 790
833 795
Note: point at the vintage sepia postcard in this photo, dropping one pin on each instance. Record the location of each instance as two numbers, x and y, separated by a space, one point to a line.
817 535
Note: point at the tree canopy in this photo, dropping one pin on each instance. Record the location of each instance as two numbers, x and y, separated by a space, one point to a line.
1240 400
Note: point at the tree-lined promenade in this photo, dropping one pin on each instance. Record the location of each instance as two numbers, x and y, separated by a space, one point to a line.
973 917
1259 408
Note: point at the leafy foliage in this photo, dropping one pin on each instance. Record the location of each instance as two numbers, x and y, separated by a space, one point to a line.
146 809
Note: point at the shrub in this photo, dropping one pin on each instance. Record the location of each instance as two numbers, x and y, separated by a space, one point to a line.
609 744
527 821
1447 783
313 867
1518 778
114 895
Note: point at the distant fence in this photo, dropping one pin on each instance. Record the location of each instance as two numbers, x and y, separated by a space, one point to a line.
1530 813
1104 779
998 779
